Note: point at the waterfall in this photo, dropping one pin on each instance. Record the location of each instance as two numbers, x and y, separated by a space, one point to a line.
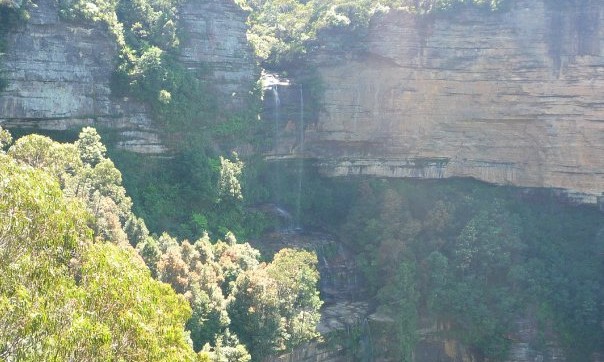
301 120
284 216
276 141
277 115
366 342
300 161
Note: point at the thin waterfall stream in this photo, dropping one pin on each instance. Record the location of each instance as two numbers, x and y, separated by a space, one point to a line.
277 173
346 309
300 162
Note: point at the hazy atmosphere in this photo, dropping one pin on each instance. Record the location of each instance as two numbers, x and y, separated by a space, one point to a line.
302 180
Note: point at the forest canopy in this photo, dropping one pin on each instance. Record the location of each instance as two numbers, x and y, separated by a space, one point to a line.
83 279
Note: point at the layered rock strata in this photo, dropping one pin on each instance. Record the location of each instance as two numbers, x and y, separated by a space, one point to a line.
513 97
58 76
59 72
214 40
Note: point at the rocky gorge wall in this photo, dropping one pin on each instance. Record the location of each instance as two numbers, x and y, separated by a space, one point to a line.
59 72
214 38
58 78
512 97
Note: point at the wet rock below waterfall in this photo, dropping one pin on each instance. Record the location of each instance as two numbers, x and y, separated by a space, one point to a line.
342 316
340 279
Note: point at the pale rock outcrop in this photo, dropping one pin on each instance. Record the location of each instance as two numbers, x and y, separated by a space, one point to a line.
214 39
513 97
59 72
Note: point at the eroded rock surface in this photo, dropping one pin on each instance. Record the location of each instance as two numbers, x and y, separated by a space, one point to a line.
58 76
513 97
214 40
59 72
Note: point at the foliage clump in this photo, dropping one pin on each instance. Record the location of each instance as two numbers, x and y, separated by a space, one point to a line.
477 259
144 31
64 294
238 301
74 288
230 173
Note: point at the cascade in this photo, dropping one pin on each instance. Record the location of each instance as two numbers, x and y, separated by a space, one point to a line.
300 161
277 106
285 218
282 212
277 169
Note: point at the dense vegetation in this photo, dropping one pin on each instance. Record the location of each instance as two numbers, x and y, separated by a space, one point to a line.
74 287
59 295
479 258
473 257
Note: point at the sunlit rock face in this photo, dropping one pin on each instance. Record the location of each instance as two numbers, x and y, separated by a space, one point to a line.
59 75
59 72
214 41
514 97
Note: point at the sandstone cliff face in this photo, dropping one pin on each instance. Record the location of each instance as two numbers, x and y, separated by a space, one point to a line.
509 98
59 76
215 39
59 72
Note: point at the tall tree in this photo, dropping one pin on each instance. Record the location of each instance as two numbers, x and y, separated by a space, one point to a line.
63 297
